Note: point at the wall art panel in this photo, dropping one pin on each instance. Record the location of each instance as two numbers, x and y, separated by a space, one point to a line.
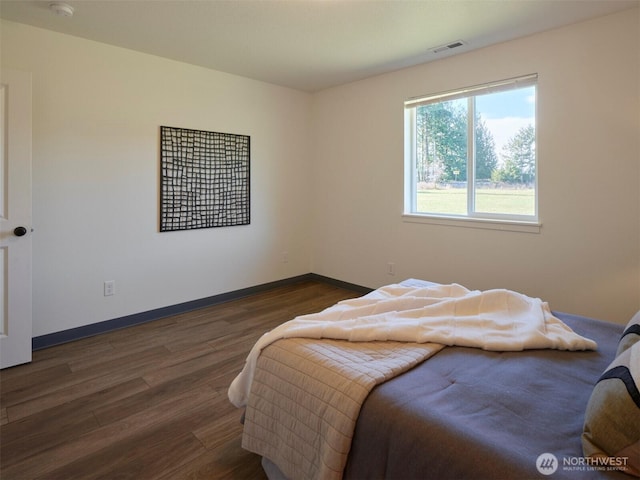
205 179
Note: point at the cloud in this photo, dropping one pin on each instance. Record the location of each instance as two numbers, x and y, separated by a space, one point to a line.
503 129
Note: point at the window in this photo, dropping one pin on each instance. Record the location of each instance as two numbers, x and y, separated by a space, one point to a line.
471 153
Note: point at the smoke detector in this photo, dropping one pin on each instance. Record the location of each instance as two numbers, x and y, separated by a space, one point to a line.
448 46
62 9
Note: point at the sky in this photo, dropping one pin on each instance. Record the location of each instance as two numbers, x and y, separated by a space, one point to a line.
504 113
511 103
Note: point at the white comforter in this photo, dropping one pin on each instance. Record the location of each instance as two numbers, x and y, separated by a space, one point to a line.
499 320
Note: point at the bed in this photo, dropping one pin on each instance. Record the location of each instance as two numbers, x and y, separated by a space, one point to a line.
449 412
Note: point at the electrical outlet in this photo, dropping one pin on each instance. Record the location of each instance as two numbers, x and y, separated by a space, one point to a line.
391 268
109 288
285 257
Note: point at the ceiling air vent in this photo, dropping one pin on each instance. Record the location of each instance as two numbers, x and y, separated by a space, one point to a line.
448 46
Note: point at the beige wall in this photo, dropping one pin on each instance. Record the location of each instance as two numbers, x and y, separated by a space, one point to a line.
585 260
96 116
327 177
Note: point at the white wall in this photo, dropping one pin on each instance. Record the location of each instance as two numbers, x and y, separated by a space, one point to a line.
97 111
326 177
586 259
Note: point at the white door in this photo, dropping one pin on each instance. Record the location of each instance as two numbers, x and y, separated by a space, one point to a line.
15 218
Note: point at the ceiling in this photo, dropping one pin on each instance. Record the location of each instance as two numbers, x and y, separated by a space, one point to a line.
308 45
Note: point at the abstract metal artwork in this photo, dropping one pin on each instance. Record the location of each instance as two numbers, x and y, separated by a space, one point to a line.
205 179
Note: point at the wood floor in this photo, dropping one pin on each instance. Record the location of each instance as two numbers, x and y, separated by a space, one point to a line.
146 402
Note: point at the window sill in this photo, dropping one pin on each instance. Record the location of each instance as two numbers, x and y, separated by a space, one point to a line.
468 222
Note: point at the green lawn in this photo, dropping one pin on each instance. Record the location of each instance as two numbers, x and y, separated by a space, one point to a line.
489 200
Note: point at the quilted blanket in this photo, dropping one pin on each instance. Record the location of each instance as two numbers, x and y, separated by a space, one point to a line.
304 396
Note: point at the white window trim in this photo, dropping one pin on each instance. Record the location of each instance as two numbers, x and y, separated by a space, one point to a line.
505 222
473 222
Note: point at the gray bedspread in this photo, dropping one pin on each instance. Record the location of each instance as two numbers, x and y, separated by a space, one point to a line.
472 414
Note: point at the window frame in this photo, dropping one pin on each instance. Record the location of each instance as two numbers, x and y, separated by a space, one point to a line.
500 221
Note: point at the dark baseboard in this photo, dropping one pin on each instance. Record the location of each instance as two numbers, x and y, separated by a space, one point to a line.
57 338
338 283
